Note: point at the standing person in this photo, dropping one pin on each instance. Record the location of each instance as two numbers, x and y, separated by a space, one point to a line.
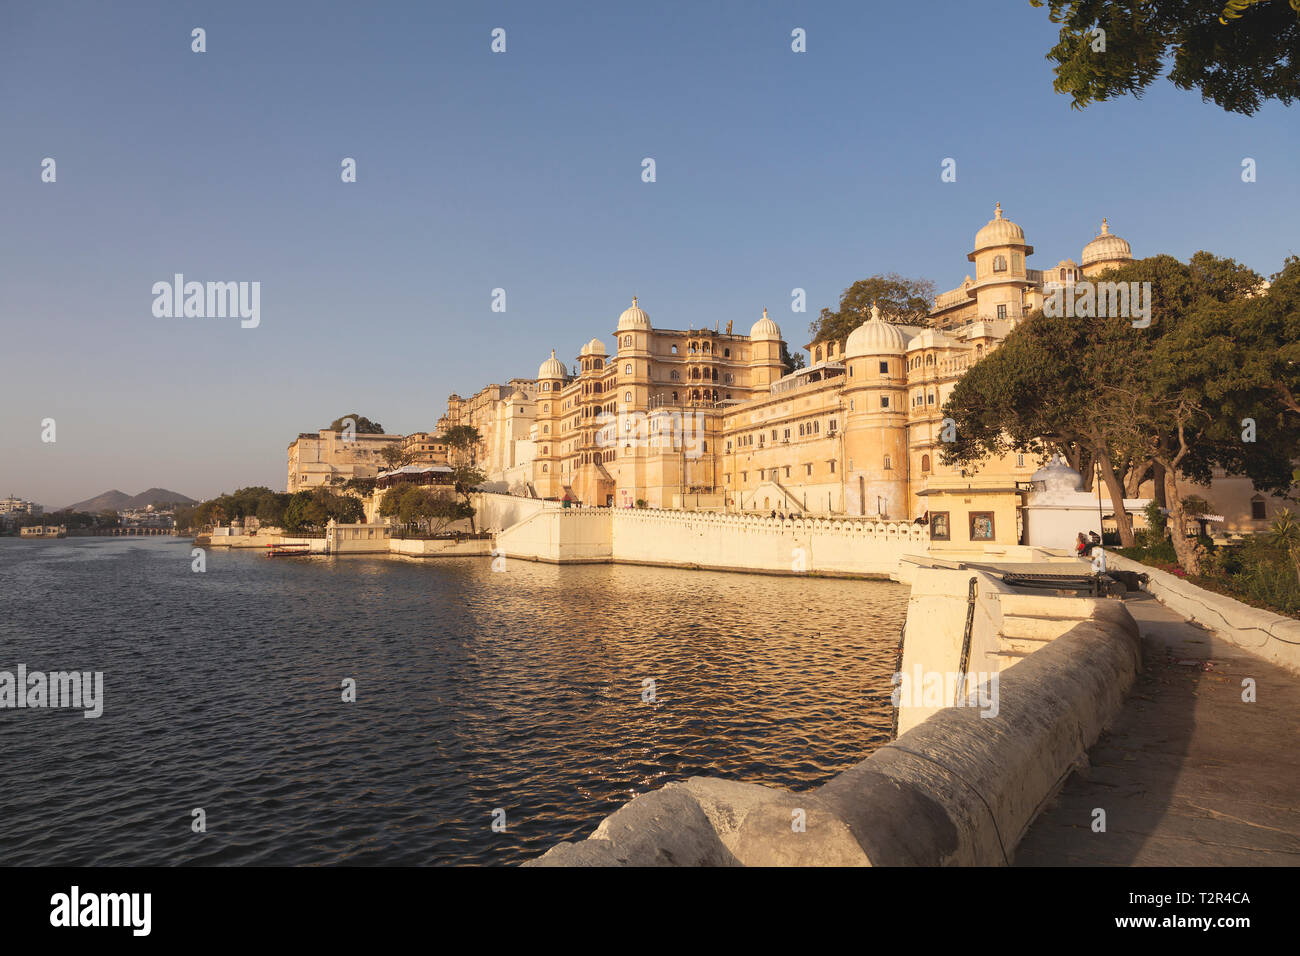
1099 560
1081 545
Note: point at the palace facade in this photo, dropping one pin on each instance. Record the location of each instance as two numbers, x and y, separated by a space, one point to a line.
708 419
705 418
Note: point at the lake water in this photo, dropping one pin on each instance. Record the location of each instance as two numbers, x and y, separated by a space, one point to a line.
477 691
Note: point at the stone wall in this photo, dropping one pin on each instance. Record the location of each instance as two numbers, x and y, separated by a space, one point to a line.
439 547
810 545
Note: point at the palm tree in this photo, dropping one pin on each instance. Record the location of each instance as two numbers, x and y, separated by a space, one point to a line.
1286 535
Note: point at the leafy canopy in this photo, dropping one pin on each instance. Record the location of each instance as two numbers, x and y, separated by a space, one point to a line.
1237 53
900 299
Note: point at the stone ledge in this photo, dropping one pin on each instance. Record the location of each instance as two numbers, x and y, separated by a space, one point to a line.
1271 636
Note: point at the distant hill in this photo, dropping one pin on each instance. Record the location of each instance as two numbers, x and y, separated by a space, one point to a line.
120 501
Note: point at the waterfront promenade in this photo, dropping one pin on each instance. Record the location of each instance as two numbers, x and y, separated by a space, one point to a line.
1188 774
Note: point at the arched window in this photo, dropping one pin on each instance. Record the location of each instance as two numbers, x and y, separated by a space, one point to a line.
925 463
546 429
546 407
627 369
1062 275
674 349
627 341
818 356
546 386
715 374
627 397
546 468
888 463
999 263
726 353
695 374
675 375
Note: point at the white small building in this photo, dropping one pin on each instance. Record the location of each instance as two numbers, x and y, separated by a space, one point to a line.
1057 508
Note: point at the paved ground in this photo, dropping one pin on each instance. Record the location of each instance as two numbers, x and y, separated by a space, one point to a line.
1189 774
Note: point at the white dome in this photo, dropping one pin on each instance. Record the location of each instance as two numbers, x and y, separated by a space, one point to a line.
875 337
594 347
1057 475
999 232
1106 247
552 368
633 319
765 329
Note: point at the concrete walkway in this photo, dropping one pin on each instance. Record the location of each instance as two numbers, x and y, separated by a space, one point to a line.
1189 774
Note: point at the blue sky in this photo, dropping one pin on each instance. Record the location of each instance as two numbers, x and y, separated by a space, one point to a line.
522 171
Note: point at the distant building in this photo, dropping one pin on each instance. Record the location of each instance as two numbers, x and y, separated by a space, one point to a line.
317 459
17 506
44 531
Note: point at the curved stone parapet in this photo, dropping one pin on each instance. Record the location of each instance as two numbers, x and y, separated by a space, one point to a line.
958 789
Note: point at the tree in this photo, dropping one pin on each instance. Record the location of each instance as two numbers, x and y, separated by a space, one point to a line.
790 362
465 478
903 300
461 439
1237 53
363 425
417 506
395 456
313 510
1160 398
1285 534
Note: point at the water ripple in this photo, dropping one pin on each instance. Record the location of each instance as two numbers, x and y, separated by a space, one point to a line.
476 692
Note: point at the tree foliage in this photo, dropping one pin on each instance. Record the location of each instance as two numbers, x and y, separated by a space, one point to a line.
364 426
418 508
461 439
1170 401
243 503
312 510
903 300
1237 53
395 456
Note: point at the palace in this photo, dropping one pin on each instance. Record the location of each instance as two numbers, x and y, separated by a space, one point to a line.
706 419
699 418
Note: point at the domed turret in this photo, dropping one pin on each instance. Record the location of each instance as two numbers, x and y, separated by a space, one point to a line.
1106 250
594 347
875 337
552 368
633 319
1057 475
999 232
764 329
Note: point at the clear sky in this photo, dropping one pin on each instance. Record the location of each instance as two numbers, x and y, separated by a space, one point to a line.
521 171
